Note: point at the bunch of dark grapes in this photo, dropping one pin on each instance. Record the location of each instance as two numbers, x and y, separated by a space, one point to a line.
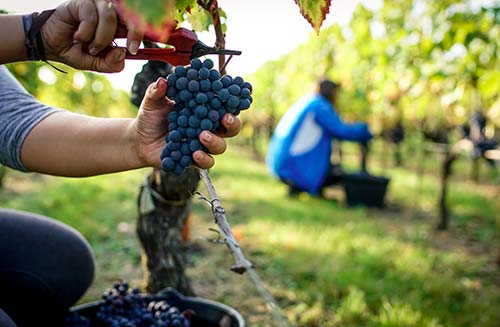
202 97
125 307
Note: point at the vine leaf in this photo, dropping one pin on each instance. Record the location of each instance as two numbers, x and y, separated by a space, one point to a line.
156 17
314 11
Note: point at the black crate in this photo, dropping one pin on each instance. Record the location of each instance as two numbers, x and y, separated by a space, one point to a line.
206 313
365 189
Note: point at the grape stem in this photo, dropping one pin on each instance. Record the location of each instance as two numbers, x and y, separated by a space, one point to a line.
241 263
220 43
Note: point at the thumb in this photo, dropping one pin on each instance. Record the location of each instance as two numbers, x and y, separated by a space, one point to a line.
112 62
155 98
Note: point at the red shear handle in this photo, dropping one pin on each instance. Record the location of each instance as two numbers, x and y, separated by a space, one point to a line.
169 55
182 39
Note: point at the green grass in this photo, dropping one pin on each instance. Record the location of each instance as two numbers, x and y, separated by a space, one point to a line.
327 265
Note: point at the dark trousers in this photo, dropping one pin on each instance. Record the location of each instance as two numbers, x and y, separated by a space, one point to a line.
45 267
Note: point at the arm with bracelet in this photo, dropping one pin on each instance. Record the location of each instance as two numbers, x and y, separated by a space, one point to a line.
58 142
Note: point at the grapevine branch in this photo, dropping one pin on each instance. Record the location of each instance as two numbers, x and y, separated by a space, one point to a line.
213 8
241 263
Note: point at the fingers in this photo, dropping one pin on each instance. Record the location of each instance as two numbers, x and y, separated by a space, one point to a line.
112 62
134 38
155 99
86 14
203 160
106 27
231 124
213 143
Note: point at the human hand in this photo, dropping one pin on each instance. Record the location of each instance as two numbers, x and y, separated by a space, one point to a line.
78 32
151 126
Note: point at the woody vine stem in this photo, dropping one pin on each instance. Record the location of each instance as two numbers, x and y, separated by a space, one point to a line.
241 264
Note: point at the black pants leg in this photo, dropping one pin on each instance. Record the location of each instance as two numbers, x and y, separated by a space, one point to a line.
45 267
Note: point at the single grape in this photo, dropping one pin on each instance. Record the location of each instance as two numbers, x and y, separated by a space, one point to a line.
172 117
214 75
204 73
244 104
238 80
200 111
181 83
185 95
195 145
171 79
234 89
224 95
192 104
193 86
206 124
194 122
174 136
245 92
196 63
176 155
167 164
247 85
233 101
213 115
226 80
183 121
201 98
186 160
192 74
210 95
191 132
215 103
180 71
205 85
208 63
216 85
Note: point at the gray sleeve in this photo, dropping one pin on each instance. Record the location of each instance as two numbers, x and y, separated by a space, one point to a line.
19 113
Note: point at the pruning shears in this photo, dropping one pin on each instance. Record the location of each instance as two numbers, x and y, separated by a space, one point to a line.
184 46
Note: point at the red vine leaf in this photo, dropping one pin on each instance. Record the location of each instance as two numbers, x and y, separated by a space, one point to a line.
314 11
155 17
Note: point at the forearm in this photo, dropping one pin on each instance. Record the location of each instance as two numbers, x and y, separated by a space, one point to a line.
12 39
68 144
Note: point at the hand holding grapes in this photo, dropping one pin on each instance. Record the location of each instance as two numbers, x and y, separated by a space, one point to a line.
151 126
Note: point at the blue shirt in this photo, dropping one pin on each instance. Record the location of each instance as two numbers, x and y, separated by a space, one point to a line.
19 113
300 148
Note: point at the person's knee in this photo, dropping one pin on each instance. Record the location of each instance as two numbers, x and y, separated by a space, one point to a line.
5 320
73 267
55 258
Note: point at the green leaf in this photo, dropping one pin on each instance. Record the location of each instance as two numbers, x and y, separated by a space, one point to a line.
200 19
314 11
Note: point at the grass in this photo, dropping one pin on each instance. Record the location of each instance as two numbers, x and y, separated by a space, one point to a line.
328 265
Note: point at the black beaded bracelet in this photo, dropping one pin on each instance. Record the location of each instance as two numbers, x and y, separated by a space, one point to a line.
32 24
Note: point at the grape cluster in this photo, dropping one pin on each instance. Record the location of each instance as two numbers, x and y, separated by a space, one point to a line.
202 97
126 307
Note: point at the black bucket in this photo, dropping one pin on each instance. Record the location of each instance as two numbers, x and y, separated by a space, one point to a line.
207 313
365 189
